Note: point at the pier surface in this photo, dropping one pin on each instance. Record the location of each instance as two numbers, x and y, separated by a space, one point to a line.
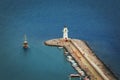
85 58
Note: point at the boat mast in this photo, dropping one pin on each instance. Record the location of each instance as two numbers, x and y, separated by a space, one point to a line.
25 37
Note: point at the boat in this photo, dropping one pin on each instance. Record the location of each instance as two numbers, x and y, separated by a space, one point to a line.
60 47
25 43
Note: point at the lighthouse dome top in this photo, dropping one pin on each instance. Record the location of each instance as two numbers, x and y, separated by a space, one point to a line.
65 29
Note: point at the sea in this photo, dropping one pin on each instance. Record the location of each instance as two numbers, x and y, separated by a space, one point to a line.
95 21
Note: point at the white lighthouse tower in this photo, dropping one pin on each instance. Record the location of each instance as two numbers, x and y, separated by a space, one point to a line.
65 33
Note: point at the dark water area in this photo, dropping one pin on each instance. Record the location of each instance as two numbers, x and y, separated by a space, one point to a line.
95 21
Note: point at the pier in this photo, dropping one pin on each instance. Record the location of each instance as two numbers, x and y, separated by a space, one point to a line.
84 57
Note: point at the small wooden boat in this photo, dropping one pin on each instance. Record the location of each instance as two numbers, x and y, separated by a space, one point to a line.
25 43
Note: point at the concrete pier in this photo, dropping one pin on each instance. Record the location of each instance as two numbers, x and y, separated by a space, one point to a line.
85 58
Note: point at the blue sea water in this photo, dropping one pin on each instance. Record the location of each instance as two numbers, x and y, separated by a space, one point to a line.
95 21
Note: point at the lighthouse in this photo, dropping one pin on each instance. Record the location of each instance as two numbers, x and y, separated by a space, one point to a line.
65 33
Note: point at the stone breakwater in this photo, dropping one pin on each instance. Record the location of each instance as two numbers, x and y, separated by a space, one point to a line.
85 58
